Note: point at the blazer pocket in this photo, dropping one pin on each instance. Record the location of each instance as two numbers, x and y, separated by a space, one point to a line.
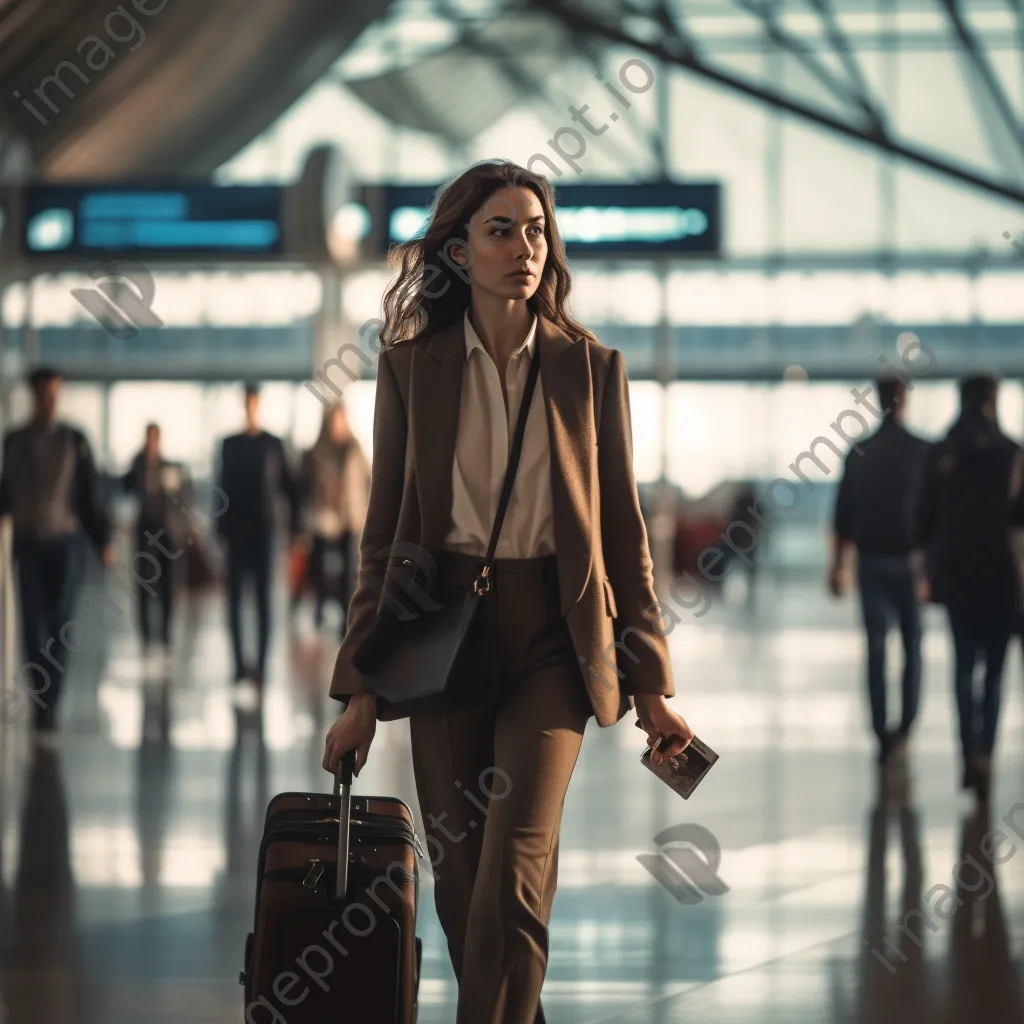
609 597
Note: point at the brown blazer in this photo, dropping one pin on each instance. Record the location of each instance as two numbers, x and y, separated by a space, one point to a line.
605 571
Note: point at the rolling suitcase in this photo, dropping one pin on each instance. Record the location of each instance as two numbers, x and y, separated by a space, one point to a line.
334 938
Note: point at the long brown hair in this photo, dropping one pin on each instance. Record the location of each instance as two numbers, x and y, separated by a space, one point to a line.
432 290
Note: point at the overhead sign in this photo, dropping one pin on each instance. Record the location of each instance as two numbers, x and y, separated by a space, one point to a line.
316 221
601 220
128 220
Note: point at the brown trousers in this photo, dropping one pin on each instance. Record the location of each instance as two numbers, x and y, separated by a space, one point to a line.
491 780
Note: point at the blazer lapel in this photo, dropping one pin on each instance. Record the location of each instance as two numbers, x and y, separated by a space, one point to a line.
435 398
569 404
435 393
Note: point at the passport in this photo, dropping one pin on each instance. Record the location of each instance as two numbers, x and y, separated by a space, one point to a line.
684 772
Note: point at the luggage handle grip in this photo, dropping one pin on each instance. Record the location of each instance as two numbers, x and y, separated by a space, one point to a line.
343 789
344 772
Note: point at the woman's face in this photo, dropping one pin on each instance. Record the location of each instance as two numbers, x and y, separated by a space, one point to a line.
337 426
506 235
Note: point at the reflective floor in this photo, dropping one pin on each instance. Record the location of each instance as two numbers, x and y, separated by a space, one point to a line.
128 850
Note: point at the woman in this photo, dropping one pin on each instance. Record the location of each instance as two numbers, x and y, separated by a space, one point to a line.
482 292
163 490
334 482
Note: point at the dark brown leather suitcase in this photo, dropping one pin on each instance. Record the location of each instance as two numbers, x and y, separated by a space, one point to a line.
334 938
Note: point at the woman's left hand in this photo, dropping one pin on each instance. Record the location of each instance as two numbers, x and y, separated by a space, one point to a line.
658 720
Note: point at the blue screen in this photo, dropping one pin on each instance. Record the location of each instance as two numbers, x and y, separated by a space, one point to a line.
184 219
601 220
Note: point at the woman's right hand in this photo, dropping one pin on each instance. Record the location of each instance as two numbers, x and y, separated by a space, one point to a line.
354 730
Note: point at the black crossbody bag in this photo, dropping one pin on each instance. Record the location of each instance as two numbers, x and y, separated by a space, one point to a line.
417 663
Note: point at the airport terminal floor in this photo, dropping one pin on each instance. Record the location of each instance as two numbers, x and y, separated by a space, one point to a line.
129 845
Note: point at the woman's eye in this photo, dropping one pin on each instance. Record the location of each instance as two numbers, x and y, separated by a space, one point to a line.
535 228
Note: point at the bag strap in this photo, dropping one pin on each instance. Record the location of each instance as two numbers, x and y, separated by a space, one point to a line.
482 584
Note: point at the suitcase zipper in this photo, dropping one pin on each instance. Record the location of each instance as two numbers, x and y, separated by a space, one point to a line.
387 830
369 820
315 873
362 836
295 832
310 876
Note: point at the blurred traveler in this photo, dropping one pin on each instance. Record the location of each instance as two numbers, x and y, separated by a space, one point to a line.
972 501
160 529
875 514
745 546
334 485
51 489
254 471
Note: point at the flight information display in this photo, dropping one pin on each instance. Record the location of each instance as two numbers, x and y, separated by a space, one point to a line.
186 220
601 220
198 220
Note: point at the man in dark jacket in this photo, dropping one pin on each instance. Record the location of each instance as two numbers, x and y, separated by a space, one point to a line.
254 471
973 501
876 514
52 491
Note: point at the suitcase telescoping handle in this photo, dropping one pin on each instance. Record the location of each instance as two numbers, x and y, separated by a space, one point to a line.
343 788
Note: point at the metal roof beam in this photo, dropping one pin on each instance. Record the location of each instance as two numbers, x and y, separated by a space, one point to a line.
993 87
841 44
851 93
874 136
